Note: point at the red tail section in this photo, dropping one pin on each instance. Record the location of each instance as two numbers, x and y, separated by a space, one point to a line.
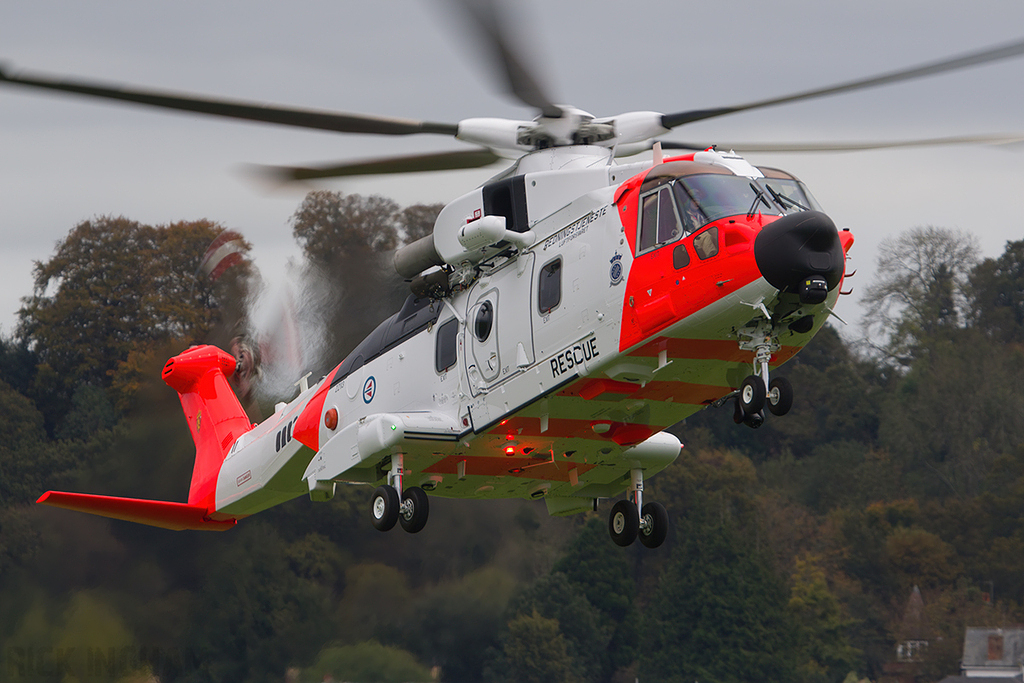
214 415
166 515
216 420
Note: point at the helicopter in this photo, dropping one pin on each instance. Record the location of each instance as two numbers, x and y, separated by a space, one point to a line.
560 317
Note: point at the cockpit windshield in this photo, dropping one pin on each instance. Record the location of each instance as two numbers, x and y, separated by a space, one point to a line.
674 207
791 192
705 198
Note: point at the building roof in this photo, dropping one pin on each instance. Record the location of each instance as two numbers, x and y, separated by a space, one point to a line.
993 647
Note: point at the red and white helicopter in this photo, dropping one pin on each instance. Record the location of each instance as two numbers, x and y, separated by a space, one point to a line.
562 316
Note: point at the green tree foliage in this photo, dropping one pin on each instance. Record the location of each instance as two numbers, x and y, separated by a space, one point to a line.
332 227
377 601
838 397
921 558
957 410
719 614
87 641
583 632
112 286
260 616
453 624
367 661
27 460
997 294
823 653
709 481
597 567
594 566
536 651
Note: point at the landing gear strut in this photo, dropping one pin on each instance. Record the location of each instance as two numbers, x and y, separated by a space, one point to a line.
631 518
757 391
392 504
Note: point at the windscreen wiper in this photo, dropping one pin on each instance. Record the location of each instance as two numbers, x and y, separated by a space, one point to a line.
757 200
783 200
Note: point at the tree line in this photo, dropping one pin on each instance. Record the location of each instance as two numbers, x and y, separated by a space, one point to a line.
793 553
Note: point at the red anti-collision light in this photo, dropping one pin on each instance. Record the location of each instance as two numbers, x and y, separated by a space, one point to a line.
331 419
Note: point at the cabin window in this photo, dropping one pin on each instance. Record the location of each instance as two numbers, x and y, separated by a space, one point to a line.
706 243
483 321
446 351
549 291
659 223
680 257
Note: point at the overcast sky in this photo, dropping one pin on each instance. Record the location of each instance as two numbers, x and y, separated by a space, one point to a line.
63 160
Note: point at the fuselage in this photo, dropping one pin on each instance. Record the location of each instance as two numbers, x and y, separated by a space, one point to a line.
548 370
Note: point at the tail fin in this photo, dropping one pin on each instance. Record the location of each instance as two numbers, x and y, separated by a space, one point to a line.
216 420
214 415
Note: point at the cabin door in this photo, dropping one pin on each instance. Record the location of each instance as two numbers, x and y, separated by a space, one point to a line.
499 330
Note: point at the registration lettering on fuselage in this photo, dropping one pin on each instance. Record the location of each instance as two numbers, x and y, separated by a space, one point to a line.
578 354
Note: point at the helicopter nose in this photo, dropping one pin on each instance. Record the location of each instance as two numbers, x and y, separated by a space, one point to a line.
801 251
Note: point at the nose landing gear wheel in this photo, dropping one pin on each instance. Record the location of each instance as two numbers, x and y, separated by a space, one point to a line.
780 396
624 523
415 508
653 525
384 508
752 394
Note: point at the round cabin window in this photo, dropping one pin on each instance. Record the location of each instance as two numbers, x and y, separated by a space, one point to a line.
484 321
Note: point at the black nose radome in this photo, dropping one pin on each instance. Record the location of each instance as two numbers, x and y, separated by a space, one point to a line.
797 247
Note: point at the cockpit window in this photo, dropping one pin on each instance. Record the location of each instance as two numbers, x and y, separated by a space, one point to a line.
792 192
659 223
689 205
706 198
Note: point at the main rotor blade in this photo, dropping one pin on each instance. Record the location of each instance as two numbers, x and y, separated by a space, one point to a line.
437 161
249 111
1007 51
782 147
522 82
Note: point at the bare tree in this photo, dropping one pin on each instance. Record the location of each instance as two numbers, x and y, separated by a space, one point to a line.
920 290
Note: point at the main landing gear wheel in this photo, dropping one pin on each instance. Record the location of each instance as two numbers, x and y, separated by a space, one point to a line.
780 396
653 525
415 508
384 508
752 394
624 523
